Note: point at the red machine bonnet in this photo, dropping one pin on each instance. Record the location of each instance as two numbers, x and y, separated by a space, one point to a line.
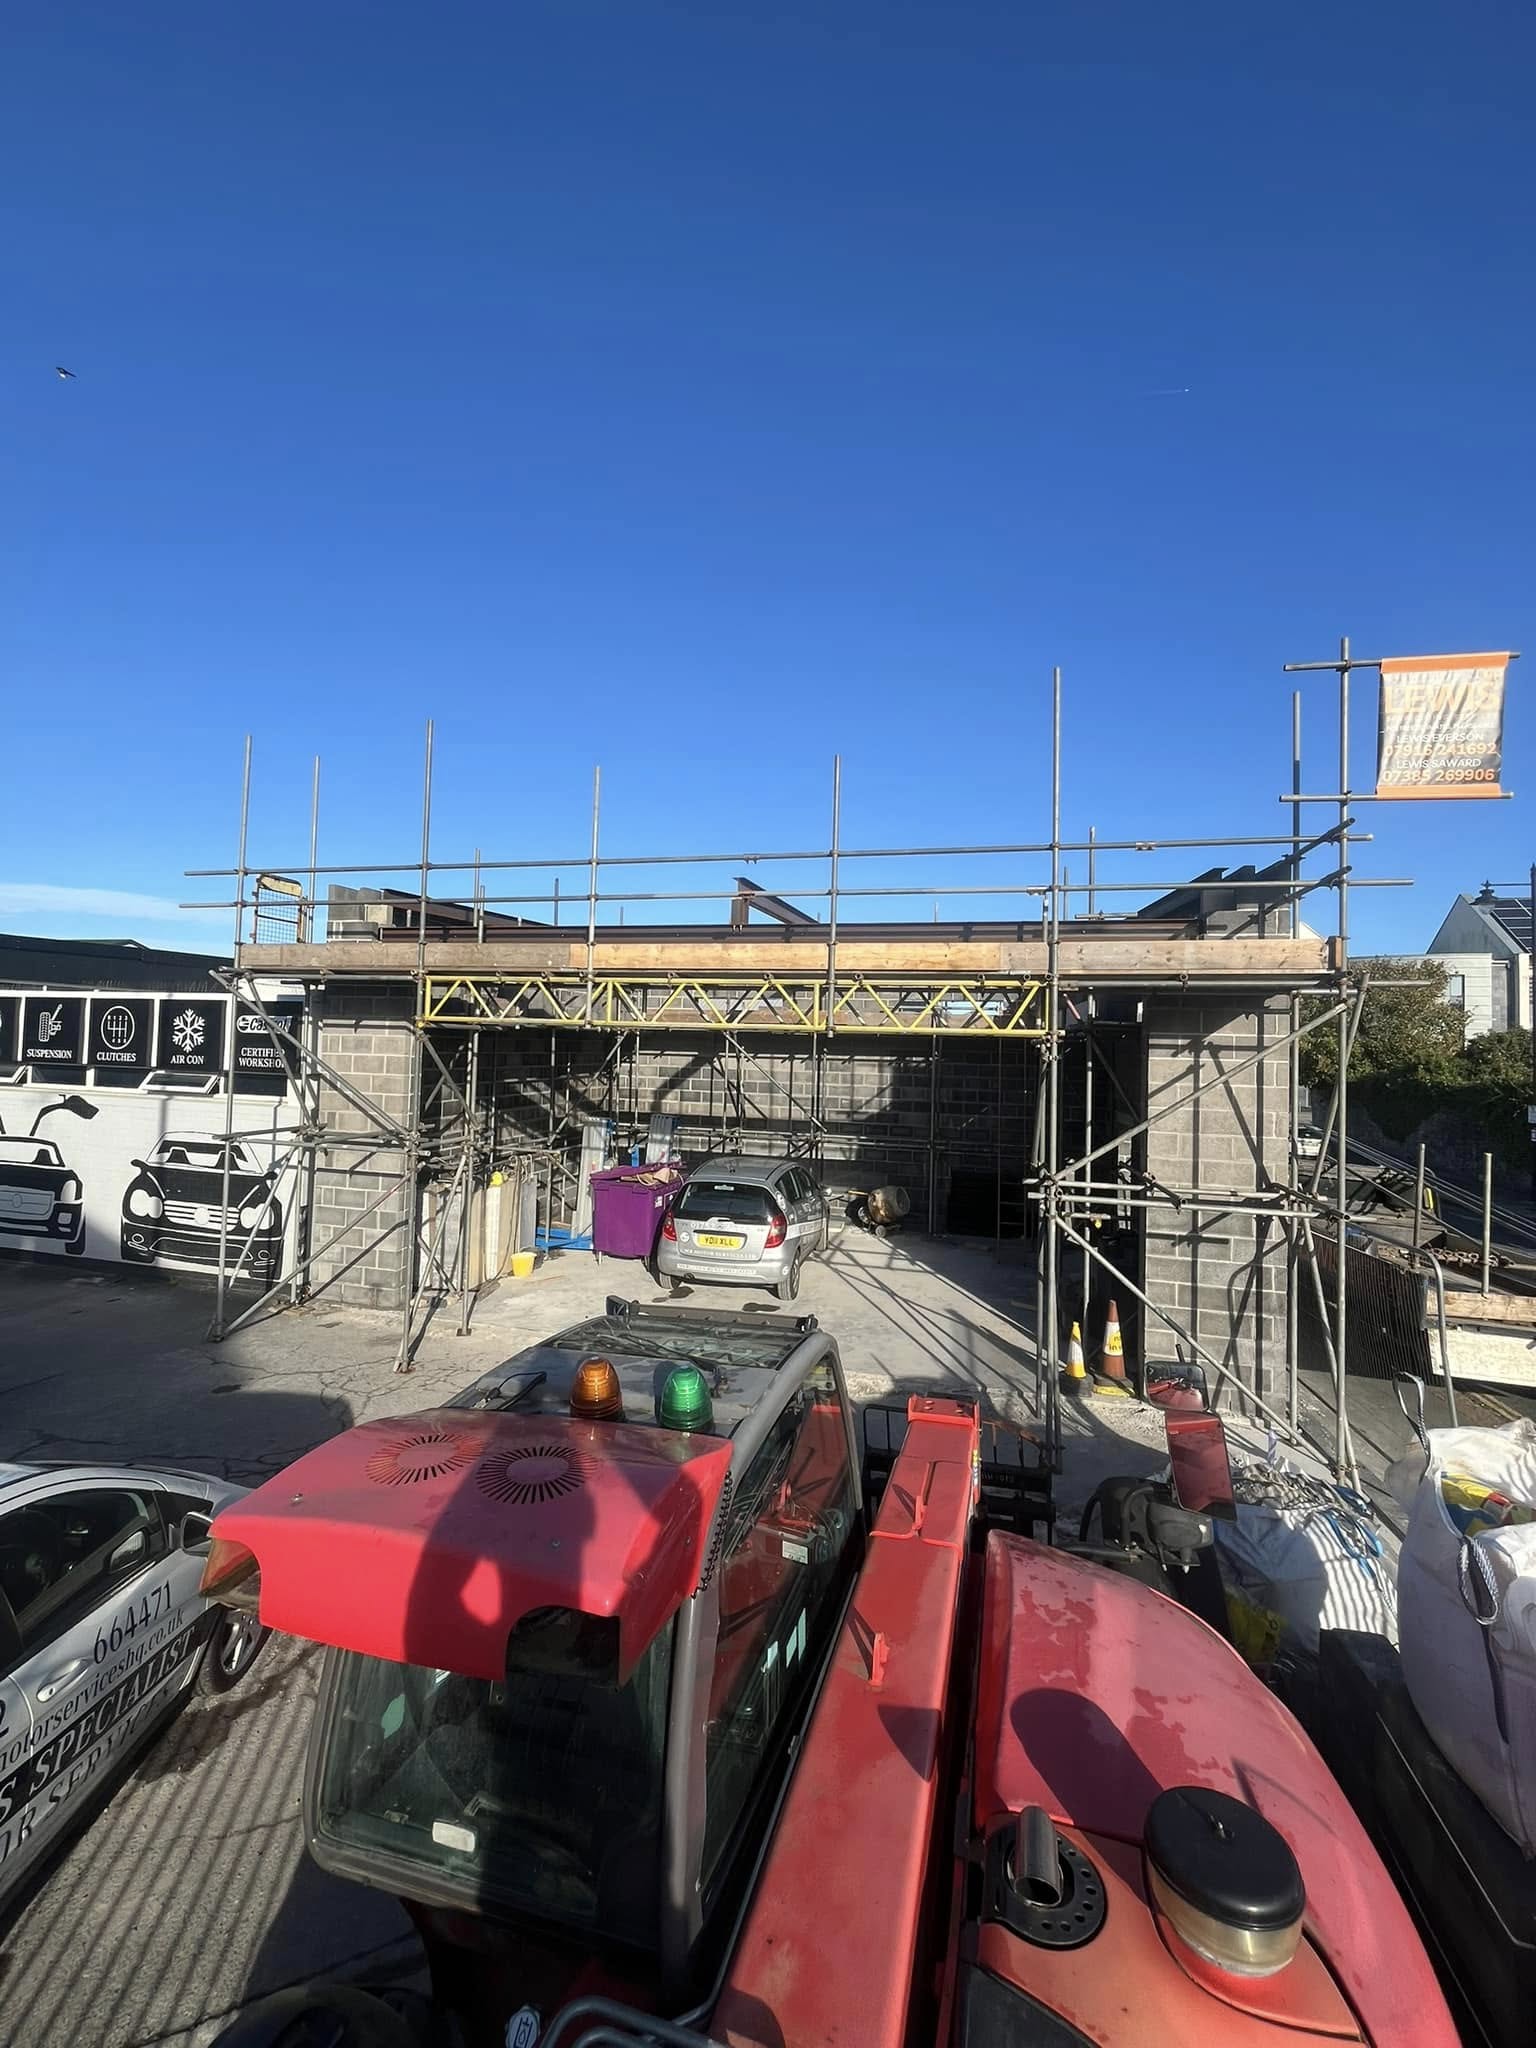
426 1538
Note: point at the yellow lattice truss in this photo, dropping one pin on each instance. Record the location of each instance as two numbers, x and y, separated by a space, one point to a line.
977 1006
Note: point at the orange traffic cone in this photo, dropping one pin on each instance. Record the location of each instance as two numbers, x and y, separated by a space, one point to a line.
1074 1374
1111 1378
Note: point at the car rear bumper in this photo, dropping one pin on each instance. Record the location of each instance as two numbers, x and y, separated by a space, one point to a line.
686 1262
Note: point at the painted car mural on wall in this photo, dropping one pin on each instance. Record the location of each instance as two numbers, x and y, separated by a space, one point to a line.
172 1209
41 1196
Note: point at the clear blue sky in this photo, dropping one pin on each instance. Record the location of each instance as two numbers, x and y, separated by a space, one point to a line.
698 389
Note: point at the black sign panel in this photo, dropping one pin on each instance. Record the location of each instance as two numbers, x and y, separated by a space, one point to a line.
191 1035
53 1031
257 1052
122 1032
10 1021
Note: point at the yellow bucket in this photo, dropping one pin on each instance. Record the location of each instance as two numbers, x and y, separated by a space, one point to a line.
523 1264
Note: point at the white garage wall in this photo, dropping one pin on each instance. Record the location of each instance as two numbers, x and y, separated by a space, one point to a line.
129 1126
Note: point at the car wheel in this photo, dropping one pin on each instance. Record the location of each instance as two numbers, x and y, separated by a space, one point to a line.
675 1283
789 1286
232 1650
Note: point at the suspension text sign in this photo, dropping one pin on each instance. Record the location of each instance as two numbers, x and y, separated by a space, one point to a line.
53 1031
1441 727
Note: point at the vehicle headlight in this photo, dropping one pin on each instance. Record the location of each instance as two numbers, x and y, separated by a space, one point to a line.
254 1213
70 1191
143 1202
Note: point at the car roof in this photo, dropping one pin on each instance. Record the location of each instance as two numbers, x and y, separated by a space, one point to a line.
739 1166
9 1474
740 1354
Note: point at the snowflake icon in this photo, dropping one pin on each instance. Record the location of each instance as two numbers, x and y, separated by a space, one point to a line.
188 1031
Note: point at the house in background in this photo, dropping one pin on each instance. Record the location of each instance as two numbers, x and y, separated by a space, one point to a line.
1484 946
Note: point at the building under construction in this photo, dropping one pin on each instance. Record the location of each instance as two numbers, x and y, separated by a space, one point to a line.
1113 1089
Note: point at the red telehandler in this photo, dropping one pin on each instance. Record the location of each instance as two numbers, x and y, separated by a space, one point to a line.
682 1704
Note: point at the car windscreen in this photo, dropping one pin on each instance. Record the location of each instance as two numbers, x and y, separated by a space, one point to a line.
736 1201
181 1154
28 1152
540 1793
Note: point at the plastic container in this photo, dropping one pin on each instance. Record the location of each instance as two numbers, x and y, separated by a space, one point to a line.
523 1264
628 1205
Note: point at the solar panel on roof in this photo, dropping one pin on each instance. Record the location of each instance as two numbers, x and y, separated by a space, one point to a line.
1514 914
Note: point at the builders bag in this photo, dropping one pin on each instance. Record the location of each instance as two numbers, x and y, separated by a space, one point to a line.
1290 1570
1466 1589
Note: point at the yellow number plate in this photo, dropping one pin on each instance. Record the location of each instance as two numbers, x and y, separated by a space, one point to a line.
718 1243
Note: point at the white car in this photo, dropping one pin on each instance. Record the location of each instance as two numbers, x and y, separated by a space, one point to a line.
103 1632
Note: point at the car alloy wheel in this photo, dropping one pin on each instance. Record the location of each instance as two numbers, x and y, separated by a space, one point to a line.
237 1637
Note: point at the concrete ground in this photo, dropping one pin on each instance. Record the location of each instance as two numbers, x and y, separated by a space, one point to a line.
190 1893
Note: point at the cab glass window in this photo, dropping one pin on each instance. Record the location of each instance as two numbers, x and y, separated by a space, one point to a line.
60 1558
788 1557
539 1793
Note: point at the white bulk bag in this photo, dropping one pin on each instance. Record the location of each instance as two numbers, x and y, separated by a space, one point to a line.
1290 1571
1472 1679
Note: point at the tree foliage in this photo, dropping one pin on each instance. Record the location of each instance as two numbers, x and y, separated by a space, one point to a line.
1410 1061
1409 1033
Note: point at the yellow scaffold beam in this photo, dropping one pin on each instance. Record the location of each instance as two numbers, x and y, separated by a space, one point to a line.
976 1006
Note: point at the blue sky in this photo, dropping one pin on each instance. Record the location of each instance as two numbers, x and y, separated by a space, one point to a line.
703 389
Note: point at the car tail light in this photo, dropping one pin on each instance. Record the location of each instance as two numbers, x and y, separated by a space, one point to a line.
669 1228
777 1226
232 1575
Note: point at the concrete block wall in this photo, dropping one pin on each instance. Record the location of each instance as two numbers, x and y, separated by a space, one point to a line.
365 1034
1222 1277
872 1100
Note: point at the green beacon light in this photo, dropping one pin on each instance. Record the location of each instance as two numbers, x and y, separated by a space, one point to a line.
685 1402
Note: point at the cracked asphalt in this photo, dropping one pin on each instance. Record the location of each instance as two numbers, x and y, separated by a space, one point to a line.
189 1893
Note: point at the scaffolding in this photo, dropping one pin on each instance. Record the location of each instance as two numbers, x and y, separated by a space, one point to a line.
1047 996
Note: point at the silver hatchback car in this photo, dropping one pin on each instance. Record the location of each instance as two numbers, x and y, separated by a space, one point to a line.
744 1223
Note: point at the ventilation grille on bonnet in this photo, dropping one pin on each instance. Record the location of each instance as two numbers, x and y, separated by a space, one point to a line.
531 1473
425 1454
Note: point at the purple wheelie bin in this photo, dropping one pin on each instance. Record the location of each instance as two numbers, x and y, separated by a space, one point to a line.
628 1204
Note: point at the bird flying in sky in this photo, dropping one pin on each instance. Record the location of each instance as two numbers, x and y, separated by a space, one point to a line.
60 371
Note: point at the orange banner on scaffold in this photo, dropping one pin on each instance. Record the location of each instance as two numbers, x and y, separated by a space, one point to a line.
1441 727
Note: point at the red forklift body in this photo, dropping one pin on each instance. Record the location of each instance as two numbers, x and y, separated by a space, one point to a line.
1095 1695
424 1539
826 1958
812 1807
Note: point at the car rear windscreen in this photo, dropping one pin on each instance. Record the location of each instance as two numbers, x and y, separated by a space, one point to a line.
731 1201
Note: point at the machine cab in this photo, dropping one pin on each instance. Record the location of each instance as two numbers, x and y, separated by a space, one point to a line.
577 1620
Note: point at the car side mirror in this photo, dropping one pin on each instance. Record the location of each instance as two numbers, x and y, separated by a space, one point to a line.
138 1163
196 1531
